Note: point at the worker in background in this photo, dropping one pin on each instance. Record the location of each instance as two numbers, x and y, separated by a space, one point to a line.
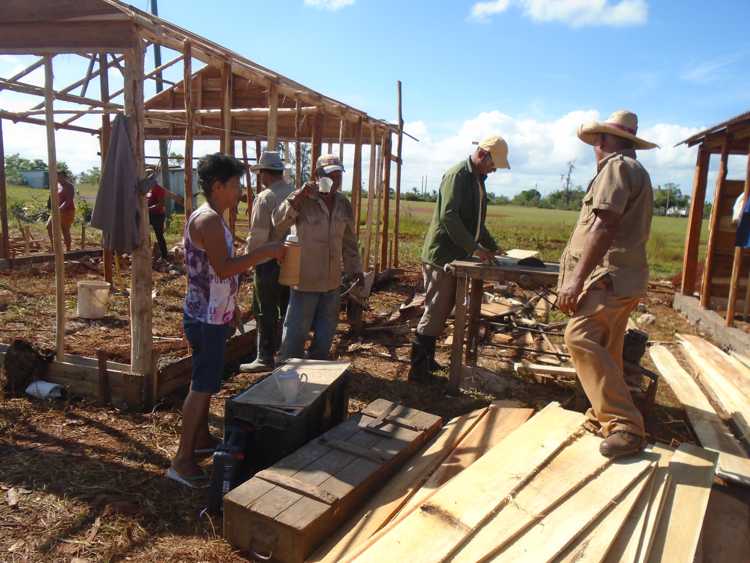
66 199
210 310
457 231
157 211
270 298
323 220
603 274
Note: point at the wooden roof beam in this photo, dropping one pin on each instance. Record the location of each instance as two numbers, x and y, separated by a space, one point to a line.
16 118
38 91
27 70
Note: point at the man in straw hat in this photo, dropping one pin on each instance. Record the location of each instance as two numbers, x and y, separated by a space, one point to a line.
603 274
270 298
323 219
457 231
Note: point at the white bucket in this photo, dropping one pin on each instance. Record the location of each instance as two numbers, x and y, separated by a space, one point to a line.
93 298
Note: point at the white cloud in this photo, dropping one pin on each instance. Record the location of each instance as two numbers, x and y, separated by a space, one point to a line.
331 5
710 70
576 13
481 11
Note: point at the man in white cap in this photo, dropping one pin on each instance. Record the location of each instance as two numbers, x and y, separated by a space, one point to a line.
457 231
323 220
603 274
270 298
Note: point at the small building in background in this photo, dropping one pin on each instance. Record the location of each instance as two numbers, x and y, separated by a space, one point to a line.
38 179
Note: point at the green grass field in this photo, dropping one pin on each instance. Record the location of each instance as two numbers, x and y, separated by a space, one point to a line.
546 230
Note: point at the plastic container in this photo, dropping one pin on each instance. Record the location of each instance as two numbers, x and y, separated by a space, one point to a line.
291 265
93 298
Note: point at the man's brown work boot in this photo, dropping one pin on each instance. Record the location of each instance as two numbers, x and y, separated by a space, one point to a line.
619 444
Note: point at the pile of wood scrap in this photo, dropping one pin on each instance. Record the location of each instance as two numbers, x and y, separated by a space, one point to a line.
542 492
720 380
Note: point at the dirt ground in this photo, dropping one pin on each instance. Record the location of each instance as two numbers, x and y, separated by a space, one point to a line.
90 479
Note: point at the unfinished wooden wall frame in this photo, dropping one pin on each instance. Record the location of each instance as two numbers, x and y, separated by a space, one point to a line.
713 230
695 222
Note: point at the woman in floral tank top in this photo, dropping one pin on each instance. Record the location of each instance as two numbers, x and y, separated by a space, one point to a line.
210 309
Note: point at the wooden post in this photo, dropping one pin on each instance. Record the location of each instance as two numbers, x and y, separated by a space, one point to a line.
5 246
258 186
370 195
55 209
187 80
248 181
357 176
317 142
297 146
342 128
140 292
713 231
695 222
459 328
107 256
227 144
378 203
399 144
384 258
737 261
273 117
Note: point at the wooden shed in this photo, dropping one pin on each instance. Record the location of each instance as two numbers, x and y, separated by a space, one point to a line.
228 97
725 284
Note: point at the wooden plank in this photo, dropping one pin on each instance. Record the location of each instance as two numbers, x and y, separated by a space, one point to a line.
65 37
472 498
386 163
273 118
733 463
520 254
399 146
634 541
713 230
357 177
382 507
187 51
564 524
720 377
691 473
370 199
459 326
494 427
373 454
5 241
297 486
593 545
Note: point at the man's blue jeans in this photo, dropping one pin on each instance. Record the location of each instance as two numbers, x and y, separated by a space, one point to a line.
310 309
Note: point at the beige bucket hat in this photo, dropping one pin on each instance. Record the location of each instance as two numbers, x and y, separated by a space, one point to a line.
498 149
621 123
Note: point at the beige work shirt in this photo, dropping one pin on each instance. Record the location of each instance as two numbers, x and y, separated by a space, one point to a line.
328 241
622 186
262 230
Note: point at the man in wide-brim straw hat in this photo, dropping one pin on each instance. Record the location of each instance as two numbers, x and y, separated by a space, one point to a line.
603 274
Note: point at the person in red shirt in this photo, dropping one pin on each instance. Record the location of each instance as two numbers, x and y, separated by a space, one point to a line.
157 212
65 195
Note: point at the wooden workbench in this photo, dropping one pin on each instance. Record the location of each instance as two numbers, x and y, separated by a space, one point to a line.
472 274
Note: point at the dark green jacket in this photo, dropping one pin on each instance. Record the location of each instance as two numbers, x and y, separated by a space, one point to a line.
451 235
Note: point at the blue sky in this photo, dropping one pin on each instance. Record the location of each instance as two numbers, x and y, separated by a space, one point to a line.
530 70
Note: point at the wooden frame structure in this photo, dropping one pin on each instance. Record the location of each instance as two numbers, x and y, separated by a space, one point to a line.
726 270
230 99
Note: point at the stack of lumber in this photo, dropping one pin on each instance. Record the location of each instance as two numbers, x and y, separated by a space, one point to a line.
541 493
726 382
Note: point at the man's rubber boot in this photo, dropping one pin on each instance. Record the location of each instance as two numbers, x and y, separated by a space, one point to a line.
429 344
420 362
619 444
264 360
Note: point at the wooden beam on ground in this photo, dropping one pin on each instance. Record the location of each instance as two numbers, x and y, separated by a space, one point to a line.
273 117
5 240
385 258
691 473
737 260
733 461
141 306
399 146
381 508
713 231
357 176
463 506
55 211
187 81
717 373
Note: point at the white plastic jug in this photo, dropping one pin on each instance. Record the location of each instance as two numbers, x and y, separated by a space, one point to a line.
93 298
289 383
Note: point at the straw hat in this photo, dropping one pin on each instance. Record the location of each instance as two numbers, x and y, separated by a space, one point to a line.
498 149
622 123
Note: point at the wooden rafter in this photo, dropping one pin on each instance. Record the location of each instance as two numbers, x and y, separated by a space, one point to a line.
27 70
16 118
38 91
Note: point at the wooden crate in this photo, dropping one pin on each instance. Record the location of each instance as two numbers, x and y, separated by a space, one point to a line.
286 511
